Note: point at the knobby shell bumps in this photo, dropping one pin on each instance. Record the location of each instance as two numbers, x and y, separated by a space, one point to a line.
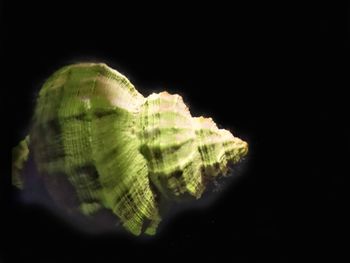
116 150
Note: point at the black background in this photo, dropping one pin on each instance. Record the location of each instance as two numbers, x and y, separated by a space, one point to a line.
273 73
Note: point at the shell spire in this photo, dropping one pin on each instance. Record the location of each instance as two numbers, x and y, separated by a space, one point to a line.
95 134
182 151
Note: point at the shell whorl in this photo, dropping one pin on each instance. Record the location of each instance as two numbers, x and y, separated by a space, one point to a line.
95 134
182 151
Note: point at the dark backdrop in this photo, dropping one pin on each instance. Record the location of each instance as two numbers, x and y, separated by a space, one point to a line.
272 73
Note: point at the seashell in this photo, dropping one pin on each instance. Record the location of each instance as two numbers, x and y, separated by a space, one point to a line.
115 150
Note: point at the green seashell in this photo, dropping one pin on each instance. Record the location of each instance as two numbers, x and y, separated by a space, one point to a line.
119 151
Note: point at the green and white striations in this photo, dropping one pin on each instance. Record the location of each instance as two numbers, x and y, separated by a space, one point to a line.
117 150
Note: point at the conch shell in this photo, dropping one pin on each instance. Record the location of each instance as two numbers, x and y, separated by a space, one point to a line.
117 150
